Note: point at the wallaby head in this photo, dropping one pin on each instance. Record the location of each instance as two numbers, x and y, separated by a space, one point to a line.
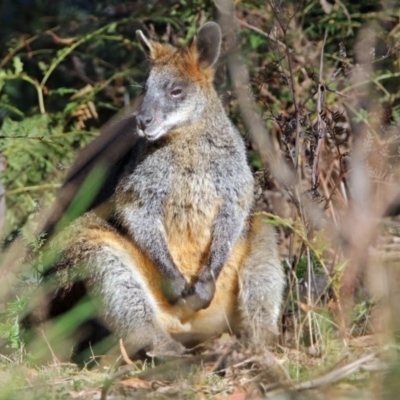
179 85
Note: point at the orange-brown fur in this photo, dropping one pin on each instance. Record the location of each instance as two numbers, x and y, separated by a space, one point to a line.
178 319
185 60
225 298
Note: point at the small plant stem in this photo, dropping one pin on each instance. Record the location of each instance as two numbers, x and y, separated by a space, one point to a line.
12 53
33 188
39 91
309 319
40 99
72 47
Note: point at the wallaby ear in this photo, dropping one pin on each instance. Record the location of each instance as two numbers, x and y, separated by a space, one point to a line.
208 43
144 42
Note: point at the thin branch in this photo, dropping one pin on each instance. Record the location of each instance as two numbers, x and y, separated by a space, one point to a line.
290 82
33 188
336 375
321 133
13 52
262 33
56 361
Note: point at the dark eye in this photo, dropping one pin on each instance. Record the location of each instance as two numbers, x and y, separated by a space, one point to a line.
176 92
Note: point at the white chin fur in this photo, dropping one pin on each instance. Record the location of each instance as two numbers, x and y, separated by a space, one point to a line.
153 135
150 135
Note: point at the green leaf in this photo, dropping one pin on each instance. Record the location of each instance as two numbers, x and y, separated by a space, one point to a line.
112 28
70 107
18 65
62 91
42 66
256 40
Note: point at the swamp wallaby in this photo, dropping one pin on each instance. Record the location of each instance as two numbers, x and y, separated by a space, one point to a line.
181 258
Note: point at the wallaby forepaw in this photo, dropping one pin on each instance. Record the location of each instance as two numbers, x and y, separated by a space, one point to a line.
200 295
173 289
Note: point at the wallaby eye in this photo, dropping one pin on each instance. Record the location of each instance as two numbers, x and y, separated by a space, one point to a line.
176 92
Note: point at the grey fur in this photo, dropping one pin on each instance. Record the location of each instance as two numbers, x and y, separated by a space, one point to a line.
262 282
111 276
192 176
167 171
209 43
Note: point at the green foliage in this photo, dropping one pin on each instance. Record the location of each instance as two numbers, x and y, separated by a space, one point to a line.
35 148
9 327
301 270
317 267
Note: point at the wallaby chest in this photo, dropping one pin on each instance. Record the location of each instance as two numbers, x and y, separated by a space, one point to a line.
193 200
180 177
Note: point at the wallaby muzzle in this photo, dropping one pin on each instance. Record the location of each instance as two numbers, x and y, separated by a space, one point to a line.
149 117
146 126
144 121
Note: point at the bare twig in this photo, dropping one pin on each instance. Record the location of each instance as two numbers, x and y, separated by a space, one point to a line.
265 34
260 137
335 375
6 358
55 359
12 53
124 353
321 130
283 27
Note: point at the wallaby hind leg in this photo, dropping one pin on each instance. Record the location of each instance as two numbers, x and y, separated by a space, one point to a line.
100 257
261 282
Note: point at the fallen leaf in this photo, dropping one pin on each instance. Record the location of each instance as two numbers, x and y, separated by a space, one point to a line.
136 383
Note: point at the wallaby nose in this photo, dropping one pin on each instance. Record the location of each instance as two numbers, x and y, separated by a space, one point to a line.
144 121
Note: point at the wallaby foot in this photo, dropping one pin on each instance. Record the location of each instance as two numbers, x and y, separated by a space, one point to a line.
262 283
